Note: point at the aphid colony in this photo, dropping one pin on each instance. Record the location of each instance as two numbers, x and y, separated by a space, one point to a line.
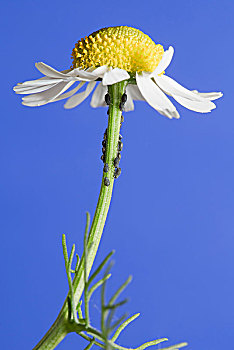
120 143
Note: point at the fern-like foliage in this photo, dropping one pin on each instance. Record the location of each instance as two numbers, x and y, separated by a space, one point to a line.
110 330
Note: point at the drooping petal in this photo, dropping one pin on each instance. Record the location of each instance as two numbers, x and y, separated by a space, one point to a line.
155 97
98 98
89 74
135 93
209 95
36 82
46 96
33 89
165 61
49 71
69 93
129 105
202 107
171 87
115 76
76 74
78 98
82 75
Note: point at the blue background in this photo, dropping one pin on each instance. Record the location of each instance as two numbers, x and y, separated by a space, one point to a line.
171 218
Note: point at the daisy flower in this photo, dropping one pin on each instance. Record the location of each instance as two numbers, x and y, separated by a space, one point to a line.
106 57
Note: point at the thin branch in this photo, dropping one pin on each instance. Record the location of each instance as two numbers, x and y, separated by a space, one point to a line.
120 290
175 347
142 347
123 326
86 271
98 270
68 262
79 310
83 335
92 342
98 284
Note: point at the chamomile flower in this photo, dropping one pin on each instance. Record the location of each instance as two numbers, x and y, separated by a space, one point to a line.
109 56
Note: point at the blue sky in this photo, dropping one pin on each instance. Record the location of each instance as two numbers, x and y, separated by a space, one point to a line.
171 218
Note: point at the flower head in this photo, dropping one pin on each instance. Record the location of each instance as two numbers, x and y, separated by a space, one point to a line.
112 55
118 47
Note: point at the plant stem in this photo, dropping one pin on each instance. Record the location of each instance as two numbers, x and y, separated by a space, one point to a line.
62 325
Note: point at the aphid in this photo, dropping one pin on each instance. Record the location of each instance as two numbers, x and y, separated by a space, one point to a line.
108 111
104 143
117 173
120 146
124 98
119 155
103 149
120 137
106 181
122 118
106 168
107 99
123 101
116 162
121 105
103 157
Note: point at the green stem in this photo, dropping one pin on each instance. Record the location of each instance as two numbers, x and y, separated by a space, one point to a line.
62 325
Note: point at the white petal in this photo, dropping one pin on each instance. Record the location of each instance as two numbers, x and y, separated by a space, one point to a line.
69 93
155 97
165 61
36 82
209 95
129 105
89 74
114 76
171 87
100 71
49 71
46 96
135 93
203 107
78 98
98 98
81 74
77 73
33 89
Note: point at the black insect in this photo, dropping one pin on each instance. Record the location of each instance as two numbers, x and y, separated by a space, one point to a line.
120 146
124 98
120 137
107 99
122 119
104 146
117 173
119 155
123 101
108 111
116 162
106 181
106 168
121 105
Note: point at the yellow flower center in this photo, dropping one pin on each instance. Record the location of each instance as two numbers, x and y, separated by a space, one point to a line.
123 47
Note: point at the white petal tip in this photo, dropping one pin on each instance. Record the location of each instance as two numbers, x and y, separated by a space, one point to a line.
171 49
28 105
67 106
209 95
169 114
